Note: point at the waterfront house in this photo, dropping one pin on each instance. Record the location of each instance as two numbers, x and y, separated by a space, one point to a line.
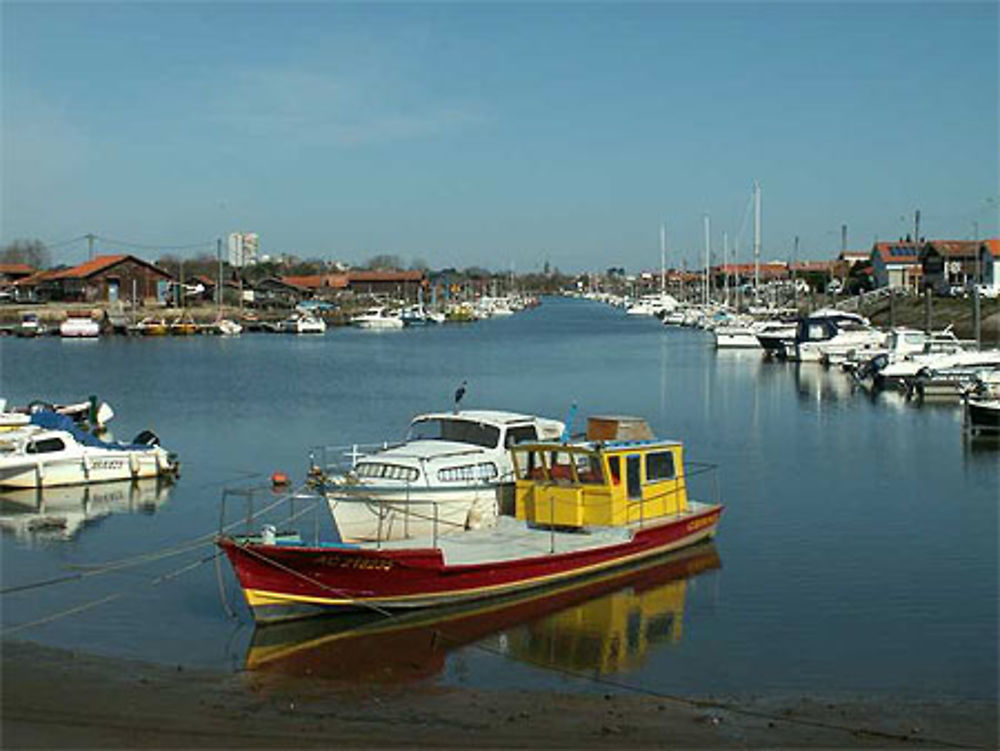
401 285
103 279
989 265
275 292
9 274
318 285
949 265
896 265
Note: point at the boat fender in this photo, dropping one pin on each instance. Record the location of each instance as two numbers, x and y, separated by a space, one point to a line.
268 534
133 464
147 438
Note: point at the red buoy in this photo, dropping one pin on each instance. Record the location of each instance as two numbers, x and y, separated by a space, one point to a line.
279 479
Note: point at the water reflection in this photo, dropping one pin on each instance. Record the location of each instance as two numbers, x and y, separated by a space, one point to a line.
819 385
605 624
42 514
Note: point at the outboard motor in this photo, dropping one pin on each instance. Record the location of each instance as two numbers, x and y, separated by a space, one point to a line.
147 438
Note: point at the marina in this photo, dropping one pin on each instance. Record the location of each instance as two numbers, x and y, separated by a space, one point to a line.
761 420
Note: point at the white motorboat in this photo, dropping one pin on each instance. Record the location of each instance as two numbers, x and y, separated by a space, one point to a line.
79 327
452 472
30 326
736 333
52 451
907 352
830 334
378 318
304 323
89 415
227 327
952 376
775 337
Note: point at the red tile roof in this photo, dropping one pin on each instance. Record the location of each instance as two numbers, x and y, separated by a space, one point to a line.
100 263
317 281
993 245
385 276
955 248
16 268
36 278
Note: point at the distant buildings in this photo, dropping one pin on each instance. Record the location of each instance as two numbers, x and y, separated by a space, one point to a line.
244 248
110 278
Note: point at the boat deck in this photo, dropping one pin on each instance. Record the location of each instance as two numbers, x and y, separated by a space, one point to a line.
511 539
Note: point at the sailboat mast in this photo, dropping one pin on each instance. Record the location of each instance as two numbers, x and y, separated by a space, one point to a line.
756 236
663 260
708 232
725 263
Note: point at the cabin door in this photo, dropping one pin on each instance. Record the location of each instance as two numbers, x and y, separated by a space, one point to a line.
633 480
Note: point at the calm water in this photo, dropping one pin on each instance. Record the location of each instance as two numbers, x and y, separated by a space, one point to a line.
858 551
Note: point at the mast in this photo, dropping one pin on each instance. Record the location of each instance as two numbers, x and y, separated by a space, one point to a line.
708 233
663 260
756 236
725 263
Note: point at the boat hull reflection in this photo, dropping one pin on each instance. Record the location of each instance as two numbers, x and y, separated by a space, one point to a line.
58 513
604 623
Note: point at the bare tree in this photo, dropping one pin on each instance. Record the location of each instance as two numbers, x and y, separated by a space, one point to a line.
32 252
384 262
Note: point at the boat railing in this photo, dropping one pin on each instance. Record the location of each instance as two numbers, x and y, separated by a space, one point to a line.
339 459
265 511
414 511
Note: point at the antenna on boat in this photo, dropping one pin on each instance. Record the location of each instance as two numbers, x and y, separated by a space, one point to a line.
567 433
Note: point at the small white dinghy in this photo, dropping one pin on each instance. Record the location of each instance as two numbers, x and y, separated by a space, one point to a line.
53 451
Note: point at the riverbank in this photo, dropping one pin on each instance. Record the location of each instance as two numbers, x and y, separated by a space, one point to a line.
54 698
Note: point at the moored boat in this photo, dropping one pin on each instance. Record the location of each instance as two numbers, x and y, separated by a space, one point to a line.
304 323
378 318
581 508
79 327
451 472
53 451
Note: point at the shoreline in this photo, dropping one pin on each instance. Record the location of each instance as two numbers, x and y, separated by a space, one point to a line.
55 698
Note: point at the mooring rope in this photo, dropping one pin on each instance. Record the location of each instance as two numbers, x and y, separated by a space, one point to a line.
89 570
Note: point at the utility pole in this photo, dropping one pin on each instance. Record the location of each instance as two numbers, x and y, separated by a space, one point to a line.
90 245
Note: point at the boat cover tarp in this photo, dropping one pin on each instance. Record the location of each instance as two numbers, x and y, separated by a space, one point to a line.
55 421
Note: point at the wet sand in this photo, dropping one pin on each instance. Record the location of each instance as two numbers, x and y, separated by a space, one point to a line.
53 698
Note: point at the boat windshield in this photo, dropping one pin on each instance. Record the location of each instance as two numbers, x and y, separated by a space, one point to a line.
455 429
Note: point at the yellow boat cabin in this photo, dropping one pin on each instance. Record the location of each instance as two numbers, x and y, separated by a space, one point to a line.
604 480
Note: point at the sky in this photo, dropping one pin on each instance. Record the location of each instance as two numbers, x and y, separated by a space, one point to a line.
498 135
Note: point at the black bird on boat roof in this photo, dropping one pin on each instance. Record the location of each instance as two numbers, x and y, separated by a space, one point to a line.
459 393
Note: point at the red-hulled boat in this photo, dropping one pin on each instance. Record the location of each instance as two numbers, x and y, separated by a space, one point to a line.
581 508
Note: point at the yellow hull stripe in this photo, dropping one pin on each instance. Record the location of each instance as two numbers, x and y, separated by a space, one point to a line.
260 597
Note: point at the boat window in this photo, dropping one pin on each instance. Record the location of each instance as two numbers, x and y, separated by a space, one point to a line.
378 470
588 469
633 465
659 466
520 434
530 465
462 431
561 467
45 446
615 468
482 472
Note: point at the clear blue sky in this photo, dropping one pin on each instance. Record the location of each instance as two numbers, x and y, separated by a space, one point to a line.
499 135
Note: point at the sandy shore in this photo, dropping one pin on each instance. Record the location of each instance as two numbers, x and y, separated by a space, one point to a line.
58 699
